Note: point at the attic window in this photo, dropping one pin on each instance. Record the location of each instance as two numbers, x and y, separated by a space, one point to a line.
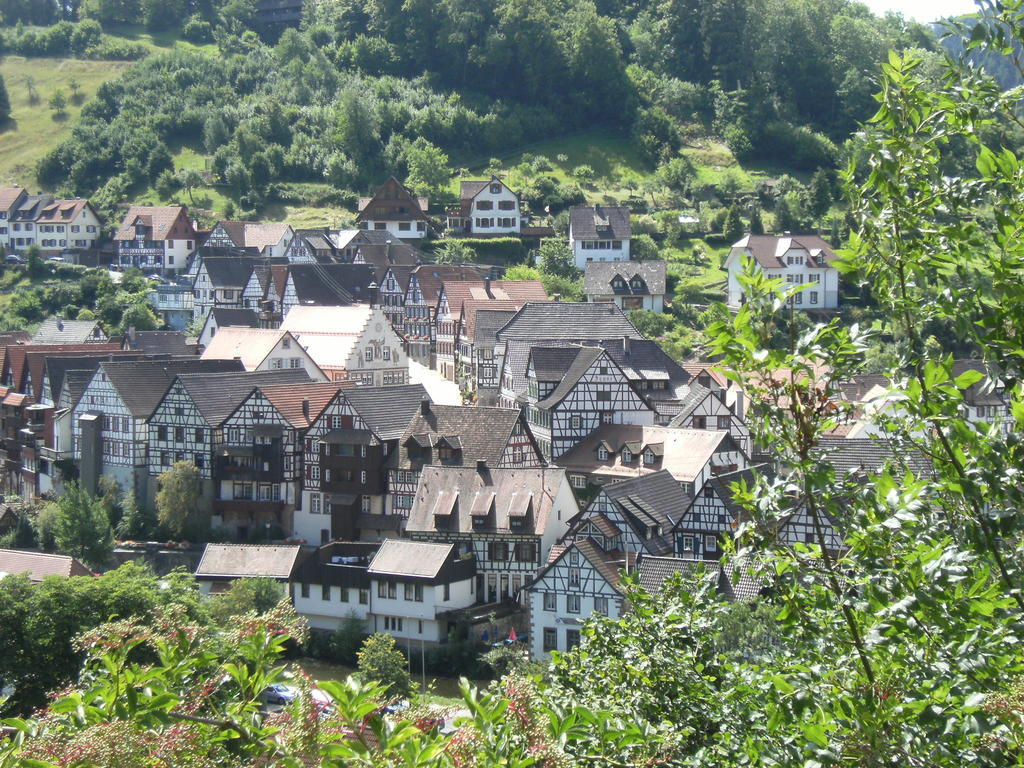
627 456
602 453
649 457
495 189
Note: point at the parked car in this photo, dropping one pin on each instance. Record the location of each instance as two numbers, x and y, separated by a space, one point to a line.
55 258
13 259
279 694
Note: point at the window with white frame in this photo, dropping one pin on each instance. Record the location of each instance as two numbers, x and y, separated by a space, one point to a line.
572 603
601 605
550 601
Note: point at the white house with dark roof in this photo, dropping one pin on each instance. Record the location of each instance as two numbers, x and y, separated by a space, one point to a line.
507 518
221 564
394 209
599 233
487 208
628 284
220 282
582 578
804 260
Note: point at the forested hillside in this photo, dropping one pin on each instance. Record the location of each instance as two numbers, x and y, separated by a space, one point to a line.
371 87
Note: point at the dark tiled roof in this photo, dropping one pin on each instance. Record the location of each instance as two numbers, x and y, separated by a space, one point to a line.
229 272
227 316
607 563
695 395
160 343
584 358
599 222
723 483
58 367
869 455
387 410
398 557
768 250
331 284
568 320
488 321
652 572
141 384
38 565
75 383
217 395
246 560
597 279
483 432
551 363
654 499
56 331
17 356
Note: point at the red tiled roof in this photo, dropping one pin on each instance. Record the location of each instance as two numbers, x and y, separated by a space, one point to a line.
8 196
289 399
38 565
519 291
61 211
16 356
161 220
472 306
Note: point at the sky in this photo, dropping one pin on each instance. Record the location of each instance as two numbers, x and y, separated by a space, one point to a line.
923 10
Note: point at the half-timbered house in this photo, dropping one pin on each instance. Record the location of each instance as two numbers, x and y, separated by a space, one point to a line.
156 239
259 458
224 317
703 409
311 245
619 451
109 423
421 302
220 282
572 390
459 436
552 323
581 579
269 239
187 424
345 451
508 518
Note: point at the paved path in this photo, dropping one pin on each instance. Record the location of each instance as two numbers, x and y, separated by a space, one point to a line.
441 391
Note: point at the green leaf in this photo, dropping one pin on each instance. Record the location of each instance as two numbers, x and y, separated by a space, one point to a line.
782 685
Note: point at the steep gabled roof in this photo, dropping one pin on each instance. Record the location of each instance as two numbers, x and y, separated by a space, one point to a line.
232 272
870 455
599 275
331 284
236 561
62 211
9 196
652 572
141 384
609 564
56 367
17 355
301 405
472 307
599 222
484 432
654 499
432 277
387 411
160 219
585 357
393 189
218 395
487 321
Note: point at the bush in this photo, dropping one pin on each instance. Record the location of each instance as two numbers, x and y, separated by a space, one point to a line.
798 146
196 30
498 250
380 661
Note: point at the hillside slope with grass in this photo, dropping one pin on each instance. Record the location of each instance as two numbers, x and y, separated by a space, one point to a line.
34 129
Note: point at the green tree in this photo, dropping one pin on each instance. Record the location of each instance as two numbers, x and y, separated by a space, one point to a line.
428 168
36 266
76 90
522 272
555 258
5 103
785 218
58 102
82 527
137 522
455 252
732 228
190 178
643 248
381 662
257 595
215 134
179 505
756 224
819 196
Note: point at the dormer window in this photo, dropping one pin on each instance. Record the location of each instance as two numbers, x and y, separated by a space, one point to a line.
602 453
649 457
627 456
618 283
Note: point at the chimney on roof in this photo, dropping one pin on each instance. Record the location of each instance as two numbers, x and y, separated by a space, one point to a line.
60 323
305 408
625 345
487 287
425 406
372 291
